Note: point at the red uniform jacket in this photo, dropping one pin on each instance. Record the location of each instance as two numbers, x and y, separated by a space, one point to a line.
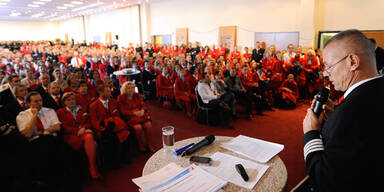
85 100
293 87
164 86
248 80
99 114
183 86
128 106
71 125
310 64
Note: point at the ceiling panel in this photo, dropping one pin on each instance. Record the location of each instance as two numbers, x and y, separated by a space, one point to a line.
57 9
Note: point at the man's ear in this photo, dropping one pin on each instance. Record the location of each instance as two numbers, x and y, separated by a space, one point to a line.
354 61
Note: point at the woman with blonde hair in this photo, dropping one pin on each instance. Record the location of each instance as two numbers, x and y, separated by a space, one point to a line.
134 111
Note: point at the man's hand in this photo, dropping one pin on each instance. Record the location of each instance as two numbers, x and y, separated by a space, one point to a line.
81 131
328 107
34 112
311 122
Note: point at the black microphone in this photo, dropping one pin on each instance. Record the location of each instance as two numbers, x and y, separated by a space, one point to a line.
206 141
321 99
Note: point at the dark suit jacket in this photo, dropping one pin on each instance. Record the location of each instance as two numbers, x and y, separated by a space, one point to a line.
257 55
147 76
6 96
234 86
11 110
352 141
48 101
379 58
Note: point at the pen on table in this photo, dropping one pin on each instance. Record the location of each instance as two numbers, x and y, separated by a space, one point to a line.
181 150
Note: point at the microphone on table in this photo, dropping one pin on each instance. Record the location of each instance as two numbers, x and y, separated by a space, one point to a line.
321 99
206 141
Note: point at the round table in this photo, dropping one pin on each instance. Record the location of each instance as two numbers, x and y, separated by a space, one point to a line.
124 73
274 179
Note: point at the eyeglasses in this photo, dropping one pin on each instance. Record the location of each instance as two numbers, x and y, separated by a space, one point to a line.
331 66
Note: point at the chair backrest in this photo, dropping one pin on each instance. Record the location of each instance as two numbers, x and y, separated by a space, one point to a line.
199 100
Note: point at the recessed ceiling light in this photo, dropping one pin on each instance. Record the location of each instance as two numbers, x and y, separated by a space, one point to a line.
69 5
61 7
77 2
46 0
33 5
5 0
2 3
38 2
14 14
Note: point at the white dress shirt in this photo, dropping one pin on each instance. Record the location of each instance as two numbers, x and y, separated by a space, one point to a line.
76 62
47 116
206 91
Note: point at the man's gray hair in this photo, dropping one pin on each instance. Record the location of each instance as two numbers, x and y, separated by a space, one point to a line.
357 41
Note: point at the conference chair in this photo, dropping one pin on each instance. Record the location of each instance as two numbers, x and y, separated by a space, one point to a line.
205 112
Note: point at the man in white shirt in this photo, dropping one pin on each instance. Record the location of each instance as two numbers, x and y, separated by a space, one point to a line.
76 61
291 53
40 126
37 120
212 99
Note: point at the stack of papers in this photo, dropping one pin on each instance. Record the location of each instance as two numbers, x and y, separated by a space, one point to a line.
227 171
256 149
173 178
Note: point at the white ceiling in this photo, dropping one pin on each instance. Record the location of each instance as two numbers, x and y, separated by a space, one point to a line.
51 10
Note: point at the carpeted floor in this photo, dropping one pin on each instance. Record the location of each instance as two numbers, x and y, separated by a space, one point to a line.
280 126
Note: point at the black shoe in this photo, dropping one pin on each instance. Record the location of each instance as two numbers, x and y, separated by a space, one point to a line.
259 114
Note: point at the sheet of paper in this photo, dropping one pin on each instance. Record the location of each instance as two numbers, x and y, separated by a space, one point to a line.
256 149
160 176
192 179
224 167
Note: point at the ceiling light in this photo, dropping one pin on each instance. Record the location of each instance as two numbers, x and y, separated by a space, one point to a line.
69 5
88 6
2 3
38 15
61 7
5 0
14 14
77 2
46 0
38 2
33 5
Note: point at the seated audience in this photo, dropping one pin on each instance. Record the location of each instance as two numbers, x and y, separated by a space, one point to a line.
212 99
106 121
134 111
84 98
288 93
183 91
77 130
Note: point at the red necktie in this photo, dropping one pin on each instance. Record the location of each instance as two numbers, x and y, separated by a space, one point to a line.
39 124
340 100
23 106
57 100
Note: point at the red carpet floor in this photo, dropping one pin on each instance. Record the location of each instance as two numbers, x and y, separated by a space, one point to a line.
281 126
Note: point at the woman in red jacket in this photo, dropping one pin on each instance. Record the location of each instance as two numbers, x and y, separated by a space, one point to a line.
134 111
183 91
77 132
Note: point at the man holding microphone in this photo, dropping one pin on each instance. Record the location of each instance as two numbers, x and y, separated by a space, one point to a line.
341 145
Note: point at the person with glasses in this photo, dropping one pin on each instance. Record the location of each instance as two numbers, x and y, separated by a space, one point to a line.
341 145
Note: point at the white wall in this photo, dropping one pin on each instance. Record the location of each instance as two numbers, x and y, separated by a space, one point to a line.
122 22
347 14
29 30
203 18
